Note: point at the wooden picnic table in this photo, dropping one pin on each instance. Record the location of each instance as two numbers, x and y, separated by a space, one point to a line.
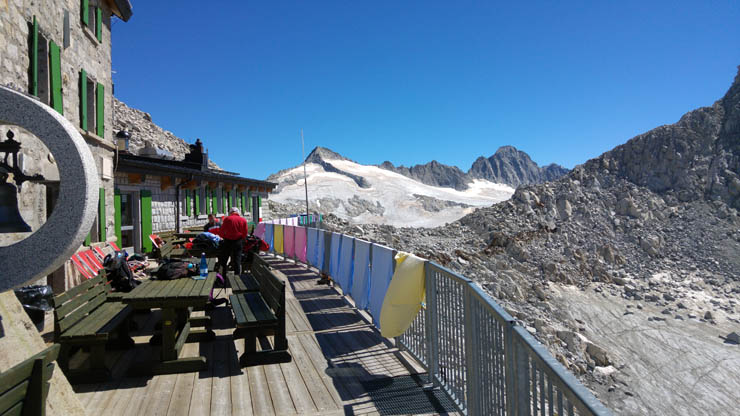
176 298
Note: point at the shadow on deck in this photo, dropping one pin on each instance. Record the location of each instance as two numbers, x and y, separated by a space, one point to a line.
341 365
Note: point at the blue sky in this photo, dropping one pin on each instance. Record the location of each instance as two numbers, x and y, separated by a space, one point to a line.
414 81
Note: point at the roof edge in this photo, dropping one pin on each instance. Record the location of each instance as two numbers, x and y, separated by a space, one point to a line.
122 9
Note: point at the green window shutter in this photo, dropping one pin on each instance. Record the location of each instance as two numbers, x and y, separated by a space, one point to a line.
55 62
99 24
34 54
100 110
83 99
85 14
208 200
197 202
87 241
117 206
249 201
187 202
242 200
146 220
214 202
101 215
259 201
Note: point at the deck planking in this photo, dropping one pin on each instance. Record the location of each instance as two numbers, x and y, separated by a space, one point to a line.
335 350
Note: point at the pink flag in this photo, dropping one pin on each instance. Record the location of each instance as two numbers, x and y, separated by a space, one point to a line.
260 230
289 241
300 243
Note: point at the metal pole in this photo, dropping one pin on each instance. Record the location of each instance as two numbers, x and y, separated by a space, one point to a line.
471 358
431 324
305 176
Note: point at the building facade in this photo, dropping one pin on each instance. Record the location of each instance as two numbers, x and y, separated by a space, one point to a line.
60 52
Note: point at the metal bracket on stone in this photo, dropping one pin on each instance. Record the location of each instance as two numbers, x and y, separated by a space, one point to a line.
51 245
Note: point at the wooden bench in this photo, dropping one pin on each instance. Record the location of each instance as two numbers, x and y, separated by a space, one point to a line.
245 282
260 314
24 387
84 316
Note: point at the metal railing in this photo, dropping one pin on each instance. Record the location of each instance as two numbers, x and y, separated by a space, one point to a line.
488 365
475 352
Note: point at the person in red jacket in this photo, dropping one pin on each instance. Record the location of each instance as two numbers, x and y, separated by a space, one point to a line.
233 231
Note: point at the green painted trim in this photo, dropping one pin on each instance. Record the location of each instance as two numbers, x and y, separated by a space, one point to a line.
117 216
214 202
35 58
208 200
187 202
99 24
100 110
87 241
197 202
249 201
243 200
55 64
101 215
146 220
83 99
85 14
259 202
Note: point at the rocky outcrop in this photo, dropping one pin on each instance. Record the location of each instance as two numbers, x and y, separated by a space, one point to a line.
514 167
433 173
147 135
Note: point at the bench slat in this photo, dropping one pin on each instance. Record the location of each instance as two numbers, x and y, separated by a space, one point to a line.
93 323
87 284
79 314
13 396
16 410
75 303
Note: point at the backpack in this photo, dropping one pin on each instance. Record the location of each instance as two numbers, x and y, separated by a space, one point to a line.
174 269
206 242
119 274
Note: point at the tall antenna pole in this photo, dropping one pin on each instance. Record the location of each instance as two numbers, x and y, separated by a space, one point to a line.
305 176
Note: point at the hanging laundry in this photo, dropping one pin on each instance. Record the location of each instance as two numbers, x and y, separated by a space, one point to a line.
404 296
289 241
279 239
300 243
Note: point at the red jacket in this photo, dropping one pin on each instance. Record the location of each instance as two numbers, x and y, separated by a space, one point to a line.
234 227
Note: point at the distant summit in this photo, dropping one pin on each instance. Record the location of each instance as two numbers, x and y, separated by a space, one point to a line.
508 166
514 167
321 154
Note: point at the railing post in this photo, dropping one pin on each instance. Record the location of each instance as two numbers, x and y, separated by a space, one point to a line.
509 376
472 384
432 340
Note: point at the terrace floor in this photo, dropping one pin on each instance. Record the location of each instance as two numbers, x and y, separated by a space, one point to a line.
340 365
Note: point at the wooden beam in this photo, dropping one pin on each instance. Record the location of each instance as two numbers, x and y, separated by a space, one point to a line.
134 178
190 184
165 182
228 186
241 188
213 184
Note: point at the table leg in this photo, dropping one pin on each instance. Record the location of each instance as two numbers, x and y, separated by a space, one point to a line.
169 329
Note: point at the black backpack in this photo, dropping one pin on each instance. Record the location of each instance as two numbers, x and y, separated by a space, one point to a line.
175 269
120 275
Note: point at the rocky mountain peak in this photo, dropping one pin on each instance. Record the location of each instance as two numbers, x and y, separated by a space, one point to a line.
511 166
322 154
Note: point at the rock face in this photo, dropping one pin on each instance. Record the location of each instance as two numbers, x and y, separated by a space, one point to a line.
507 166
433 173
650 227
147 135
514 167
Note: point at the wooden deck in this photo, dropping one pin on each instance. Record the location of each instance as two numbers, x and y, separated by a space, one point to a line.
340 365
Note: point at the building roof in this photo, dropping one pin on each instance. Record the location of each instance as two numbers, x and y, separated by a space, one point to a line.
128 163
122 9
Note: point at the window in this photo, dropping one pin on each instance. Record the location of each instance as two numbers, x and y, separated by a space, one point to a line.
92 105
45 72
92 19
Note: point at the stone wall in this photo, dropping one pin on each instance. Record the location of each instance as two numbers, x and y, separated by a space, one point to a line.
80 50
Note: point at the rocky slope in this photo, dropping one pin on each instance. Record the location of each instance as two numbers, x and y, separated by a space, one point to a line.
144 133
626 268
507 166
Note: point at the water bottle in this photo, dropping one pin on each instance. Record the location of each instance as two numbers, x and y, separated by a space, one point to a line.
203 266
